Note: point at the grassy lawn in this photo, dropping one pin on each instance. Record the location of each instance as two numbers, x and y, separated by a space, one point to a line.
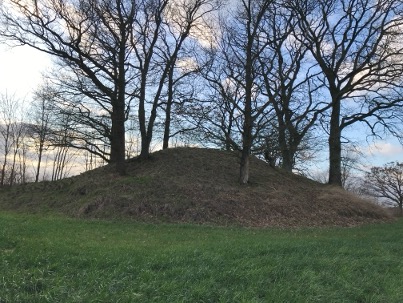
66 260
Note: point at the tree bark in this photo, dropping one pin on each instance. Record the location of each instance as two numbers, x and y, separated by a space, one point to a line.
244 167
335 145
118 140
288 160
118 116
167 126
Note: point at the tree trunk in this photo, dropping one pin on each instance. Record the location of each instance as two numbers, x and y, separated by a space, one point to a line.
244 168
147 138
248 120
118 142
167 126
246 140
145 148
335 145
286 154
288 160
6 151
118 139
3 171
40 153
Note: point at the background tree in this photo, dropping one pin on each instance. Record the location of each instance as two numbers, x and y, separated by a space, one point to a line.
42 112
357 46
62 155
17 168
386 183
12 132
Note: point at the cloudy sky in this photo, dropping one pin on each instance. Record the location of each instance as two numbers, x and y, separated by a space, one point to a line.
20 70
20 73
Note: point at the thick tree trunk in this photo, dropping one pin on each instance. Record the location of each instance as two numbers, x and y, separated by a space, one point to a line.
244 168
335 146
118 140
118 130
286 154
288 160
145 147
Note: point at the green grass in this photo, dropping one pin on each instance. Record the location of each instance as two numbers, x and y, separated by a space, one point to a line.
49 259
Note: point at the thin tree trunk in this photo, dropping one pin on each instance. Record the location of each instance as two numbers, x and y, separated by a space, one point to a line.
13 172
167 126
6 152
3 171
247 126
38 167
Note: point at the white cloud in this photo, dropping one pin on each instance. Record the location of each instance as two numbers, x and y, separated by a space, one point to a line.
385 149
382 152
20 69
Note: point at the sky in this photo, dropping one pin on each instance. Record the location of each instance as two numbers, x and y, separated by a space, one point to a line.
20 73
20 70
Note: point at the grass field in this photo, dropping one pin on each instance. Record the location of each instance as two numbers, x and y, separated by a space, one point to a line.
48 259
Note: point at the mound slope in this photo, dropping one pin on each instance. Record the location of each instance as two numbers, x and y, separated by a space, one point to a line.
197 186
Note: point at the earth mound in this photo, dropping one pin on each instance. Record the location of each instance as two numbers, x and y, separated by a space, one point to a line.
194 185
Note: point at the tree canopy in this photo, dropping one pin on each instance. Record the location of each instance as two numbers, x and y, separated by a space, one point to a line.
262 77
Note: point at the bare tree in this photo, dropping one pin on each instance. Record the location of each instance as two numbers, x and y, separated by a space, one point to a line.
215 116
290 83
386 182
112 53
12 130
91 41
40 124
18 133
60 144
160 32
233 75
182 89
357 45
